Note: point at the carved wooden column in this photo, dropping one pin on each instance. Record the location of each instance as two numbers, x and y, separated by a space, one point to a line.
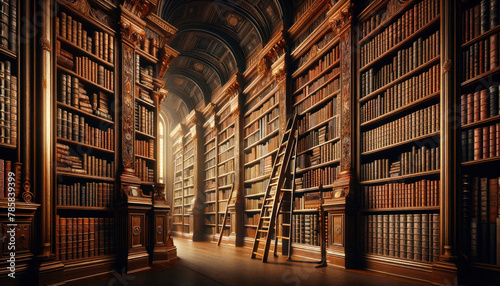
339 204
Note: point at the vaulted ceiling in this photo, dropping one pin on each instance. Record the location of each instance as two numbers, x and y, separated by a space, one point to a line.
215 38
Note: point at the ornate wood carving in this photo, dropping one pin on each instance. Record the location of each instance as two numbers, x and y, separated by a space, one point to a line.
131 32
342 19
167 56
128 107
27 194
345 69
263 67
394 6
98 15
446 66
45 43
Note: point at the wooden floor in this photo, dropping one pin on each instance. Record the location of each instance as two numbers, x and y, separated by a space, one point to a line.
203 263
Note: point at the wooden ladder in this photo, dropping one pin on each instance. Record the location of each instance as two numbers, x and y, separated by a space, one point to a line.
225 215
274 191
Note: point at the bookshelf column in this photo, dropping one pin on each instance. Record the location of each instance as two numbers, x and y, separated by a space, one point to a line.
236 207
339 203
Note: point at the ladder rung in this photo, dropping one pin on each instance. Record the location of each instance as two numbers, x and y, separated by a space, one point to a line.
269 199
263 230
273 184
283 237
259 254
261 239
265 217
268 206
286 190
281 154
285 224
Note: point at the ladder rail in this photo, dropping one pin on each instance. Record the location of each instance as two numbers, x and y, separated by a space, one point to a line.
225 215
290 229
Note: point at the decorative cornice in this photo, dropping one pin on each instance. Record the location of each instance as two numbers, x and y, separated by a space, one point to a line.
167 56
342 18
131 32
140 8
45 43
84 7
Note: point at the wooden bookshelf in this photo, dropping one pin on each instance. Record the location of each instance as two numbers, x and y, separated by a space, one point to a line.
399 113
178 184
210 175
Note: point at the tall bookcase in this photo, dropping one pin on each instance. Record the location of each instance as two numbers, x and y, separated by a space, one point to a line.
315 90
479 134
178 200
399 125
210 175
85 137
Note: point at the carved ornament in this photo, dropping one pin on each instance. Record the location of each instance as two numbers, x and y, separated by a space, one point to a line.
342 19
345 69
128 108
87 10
132 33
45 43
446 66
167 56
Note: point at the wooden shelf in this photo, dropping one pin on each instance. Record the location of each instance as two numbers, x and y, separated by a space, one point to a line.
259 92
226 128
225 174
264 99
86 177
144 134
81 78
320 103
319 145
76 143
403 177
89 20
318 56
81 112
85 52
229 159
402 109
9 53
402 78
227 139
481 161
313 189
225 187
145 158
483 36
306 211
263 139
255 195
145 103
316 126
400 44
8 146
336 63
83 208
480 77
309 94
481 122
300 171
260 158
257 179
252 210
262 115
400 143
402 209
150 58
143 86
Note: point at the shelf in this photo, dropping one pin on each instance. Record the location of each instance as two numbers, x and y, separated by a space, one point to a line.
481 122
208 151
225 186
404 209
210 202
143 86
76 143
260 158
316 126
145 103
483 36
210 190
313 189
72 73
306 211
145 158
400 79
480 77
209 141
82 208
85 52
401 109
337 62
147 183
229 159
85 176
252 210
259 92
144 134
481 161
300 171
226 128
89 20
400 143
400 44
145 55
8 146
227 139
255 195
8 53
386 22
400 178
225 174
87 114
250 225
321 102
319 145
257 179
265 138
318 88
319 55
262 115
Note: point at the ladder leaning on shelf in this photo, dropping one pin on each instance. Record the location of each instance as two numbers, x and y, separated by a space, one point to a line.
225 214
275 193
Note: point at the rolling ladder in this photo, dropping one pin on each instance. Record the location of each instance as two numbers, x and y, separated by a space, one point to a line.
276 196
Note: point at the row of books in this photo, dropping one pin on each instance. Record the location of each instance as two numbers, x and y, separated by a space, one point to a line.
210 208
145 148
151 44
6 167
144 120
322 154
404 61
209 184
100 44
423 193
480 18
144 95
311 120
225 180
402 94
209 169
73 127
480 105
308 201
480 210
323 64
419 123
305 229
316 48
480 57
188 190
318 94
253 203
407 236
265 108
317 177
143 170
188 172
263 88
72 92
413 19
481 143
417 160
320 136
89 194
256 187
261 128
261 149
209 219
252 218
226 167
405 26
145 75
210 197
83 237
8 104
226 133
264 167
94 72
226 150
8 25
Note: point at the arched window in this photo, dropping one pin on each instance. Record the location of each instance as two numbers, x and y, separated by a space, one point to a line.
162 152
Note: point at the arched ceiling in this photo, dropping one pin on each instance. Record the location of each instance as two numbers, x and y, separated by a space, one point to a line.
214 39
